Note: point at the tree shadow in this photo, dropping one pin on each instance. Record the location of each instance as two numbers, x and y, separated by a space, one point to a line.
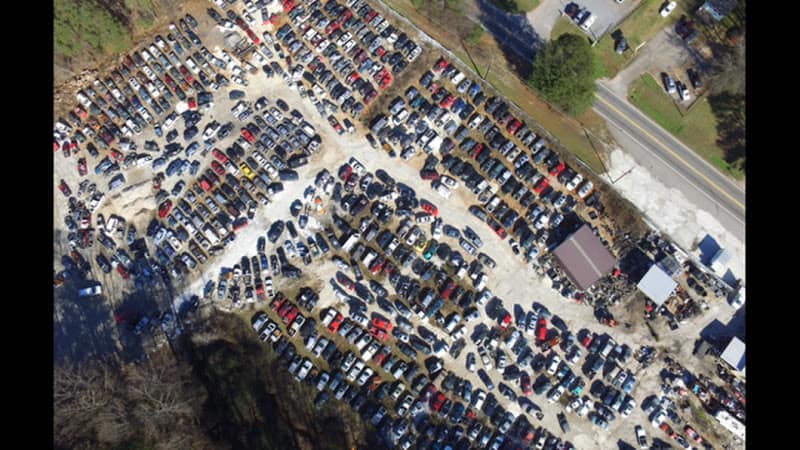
82 327
729 110
514 34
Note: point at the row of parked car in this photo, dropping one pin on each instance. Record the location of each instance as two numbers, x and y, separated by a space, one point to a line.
363 260
441 122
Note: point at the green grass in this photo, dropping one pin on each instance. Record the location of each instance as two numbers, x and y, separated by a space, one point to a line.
638 28
697 127
564 25
78 25
143 12
526 5
475 35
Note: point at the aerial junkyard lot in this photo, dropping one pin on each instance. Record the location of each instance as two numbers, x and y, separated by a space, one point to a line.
369 208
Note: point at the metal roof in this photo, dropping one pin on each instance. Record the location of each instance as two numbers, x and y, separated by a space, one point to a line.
734 354
657 285
584 258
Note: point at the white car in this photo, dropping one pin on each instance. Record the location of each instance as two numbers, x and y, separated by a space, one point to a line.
449 182
478 398
574 404
574 182
442 190
425 218
585 407
554 362
666 10
584 191
304 369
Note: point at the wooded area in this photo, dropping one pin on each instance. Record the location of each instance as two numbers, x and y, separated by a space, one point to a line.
226 391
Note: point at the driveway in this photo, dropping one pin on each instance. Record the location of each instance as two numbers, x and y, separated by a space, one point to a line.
608 14
666 52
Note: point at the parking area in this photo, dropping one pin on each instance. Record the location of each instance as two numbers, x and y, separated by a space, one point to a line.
374 217
607 13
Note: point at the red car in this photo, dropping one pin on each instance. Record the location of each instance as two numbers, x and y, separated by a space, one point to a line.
429 207
667 429
353 77
248 136
217 167
692 434
123 271
332 27
55 145
448 101
385 82
346 15
277 302
541 185
513 126
382 323
117 155
437 401
82 167
505 322
379 334
587 340
205 184
477 150
377 265
448 290
288 6
290 315
558 169
440 65
253 37
336 323
345 172
164 208
541 331
284 309
219 155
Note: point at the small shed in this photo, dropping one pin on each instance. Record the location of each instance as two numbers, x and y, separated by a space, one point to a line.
657 285
734 354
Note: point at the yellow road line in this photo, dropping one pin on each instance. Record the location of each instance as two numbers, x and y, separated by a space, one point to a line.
678 157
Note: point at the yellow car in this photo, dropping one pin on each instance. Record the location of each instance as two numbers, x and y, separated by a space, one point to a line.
420 245
248 172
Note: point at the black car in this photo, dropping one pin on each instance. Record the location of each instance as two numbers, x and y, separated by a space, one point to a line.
103 263
275 231
236 94
694 78
486 380
562 421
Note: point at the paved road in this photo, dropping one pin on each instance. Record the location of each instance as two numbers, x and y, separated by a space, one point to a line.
690 173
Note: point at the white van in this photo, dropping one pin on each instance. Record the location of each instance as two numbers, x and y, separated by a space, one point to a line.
588 21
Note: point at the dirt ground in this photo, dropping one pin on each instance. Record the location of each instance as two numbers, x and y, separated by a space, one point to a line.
515 282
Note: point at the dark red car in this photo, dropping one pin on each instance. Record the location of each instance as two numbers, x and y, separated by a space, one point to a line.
164 208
